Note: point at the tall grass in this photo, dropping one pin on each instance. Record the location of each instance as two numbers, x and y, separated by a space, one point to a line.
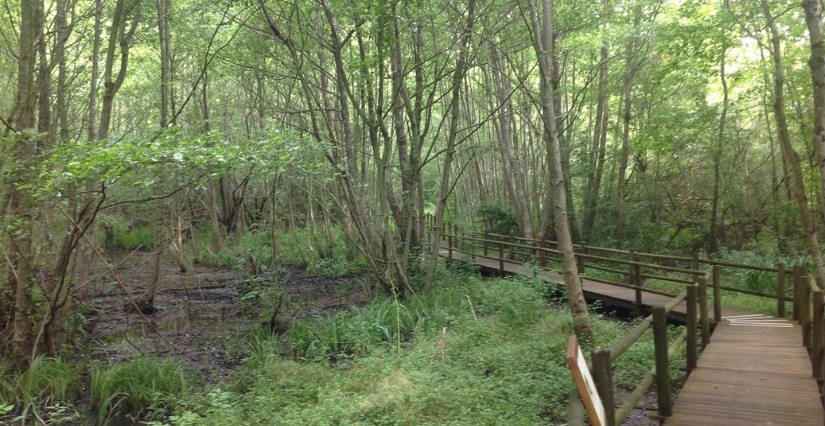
135 387
501 361
47 387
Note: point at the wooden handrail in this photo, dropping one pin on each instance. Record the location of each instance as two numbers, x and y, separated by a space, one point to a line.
602 362
538 250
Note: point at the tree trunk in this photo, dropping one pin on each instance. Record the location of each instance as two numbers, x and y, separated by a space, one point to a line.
543 44
591 199
445 188
630 71
21 208
507 143
808 226
713 244
118 37
164 8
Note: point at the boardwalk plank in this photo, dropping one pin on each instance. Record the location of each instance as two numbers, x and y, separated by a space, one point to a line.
750 376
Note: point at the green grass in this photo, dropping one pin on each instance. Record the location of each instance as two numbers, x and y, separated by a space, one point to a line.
48 387
382 364
143 237
139 386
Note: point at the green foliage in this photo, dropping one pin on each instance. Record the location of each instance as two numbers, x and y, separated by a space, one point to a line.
139 237
331 256
48 379
48 387
136 387
497 217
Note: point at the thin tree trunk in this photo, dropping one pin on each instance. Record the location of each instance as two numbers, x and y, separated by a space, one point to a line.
445 188
543 44
630 71
164 8
809 228
507 142
713 244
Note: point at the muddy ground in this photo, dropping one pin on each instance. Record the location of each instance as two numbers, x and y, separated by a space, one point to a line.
204 315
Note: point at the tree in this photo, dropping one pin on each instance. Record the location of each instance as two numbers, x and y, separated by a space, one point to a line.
543 45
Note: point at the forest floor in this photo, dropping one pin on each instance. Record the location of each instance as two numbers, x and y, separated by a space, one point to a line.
204 316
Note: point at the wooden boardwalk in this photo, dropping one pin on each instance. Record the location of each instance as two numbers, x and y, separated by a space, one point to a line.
754 372
609 295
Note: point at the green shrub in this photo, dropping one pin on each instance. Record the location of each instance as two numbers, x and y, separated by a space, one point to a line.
497 217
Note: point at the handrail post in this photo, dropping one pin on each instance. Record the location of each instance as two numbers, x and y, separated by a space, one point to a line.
580 259
486 237
695 267
512 247
603 376
449 240
691 327
703 309
542 253
819 301
717 295
780 290
662 369
635 279
805 312
797 272
501 257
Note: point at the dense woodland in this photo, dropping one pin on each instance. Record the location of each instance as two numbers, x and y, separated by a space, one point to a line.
678 126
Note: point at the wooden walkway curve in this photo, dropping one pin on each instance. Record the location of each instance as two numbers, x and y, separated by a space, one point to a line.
755 371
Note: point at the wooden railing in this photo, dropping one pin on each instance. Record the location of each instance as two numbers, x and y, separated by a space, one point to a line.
808 301
808 311
634 266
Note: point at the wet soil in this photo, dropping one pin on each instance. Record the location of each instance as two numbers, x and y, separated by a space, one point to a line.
203 316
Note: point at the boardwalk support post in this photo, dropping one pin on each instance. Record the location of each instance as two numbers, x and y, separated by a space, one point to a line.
780 290
486 237
691 327
703 310
816 353
662 369
512 247
717 295
603 376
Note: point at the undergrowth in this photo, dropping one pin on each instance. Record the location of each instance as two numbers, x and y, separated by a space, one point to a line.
473 351
142 385
329 257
